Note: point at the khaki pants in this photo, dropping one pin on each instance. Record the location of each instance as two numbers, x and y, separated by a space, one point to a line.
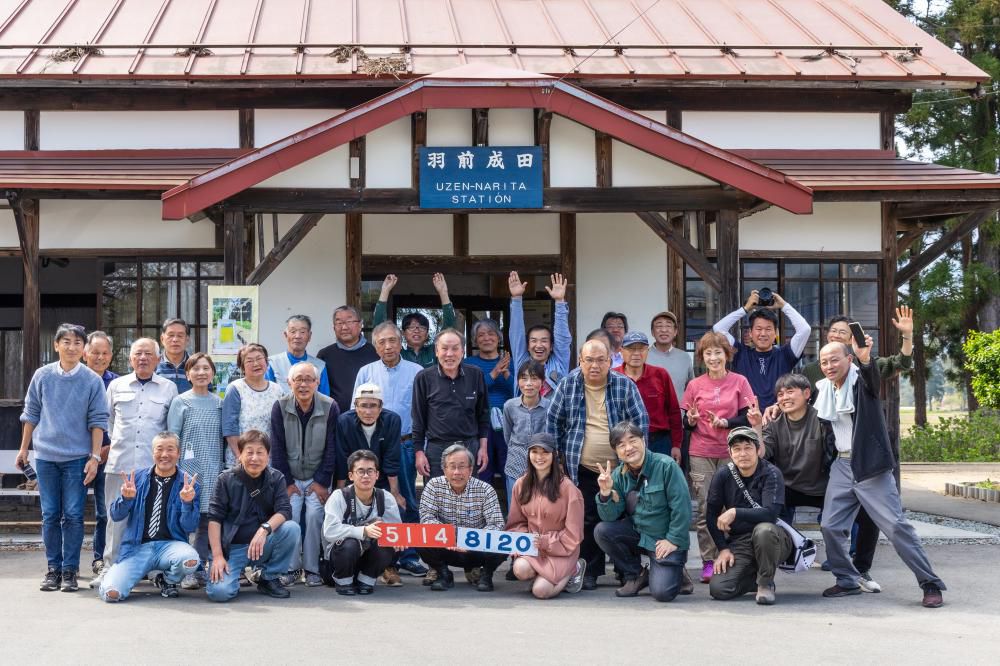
702 471
757 557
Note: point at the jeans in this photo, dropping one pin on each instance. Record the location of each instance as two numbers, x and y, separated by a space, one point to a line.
510 488
407 478
621 542
590 550
661 442
175 559
278 551
347 562
62 493
308 558
756 558
100 514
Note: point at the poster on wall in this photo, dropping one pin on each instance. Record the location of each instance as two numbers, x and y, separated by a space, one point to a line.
225 372
233 314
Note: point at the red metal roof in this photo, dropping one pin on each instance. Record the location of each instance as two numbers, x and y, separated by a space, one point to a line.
489 87
744 40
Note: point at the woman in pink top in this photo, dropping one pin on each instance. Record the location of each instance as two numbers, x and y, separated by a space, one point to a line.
713 404
545 502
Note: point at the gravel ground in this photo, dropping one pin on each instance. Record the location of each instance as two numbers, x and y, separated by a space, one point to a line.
970 525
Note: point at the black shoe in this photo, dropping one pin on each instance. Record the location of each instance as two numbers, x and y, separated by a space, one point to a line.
345 590
273 588
589 583
167 590
510 575
51 582
365 588
485 583
69 583
445 580
838 591
932 597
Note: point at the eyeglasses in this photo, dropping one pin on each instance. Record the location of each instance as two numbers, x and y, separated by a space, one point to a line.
365 471
415 329
349 322
304 380
456 468
594 361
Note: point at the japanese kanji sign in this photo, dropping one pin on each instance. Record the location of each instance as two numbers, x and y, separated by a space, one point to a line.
481 177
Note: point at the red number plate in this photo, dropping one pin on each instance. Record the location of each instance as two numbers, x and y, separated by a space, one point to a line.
414 535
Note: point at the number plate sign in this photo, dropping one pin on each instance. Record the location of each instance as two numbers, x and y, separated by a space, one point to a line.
497 541
415 535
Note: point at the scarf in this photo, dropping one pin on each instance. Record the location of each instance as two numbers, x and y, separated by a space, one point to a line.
830 403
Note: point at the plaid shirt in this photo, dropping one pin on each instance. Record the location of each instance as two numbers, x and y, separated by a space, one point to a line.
567 416
476 507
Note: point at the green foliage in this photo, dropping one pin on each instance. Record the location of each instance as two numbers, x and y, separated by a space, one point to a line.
972 439
982 360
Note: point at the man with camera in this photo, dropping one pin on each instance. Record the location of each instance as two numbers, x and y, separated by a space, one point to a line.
762 362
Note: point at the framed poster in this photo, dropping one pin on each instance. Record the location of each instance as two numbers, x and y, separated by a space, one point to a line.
233 314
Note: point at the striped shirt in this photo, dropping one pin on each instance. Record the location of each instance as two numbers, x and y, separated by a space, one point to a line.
476 507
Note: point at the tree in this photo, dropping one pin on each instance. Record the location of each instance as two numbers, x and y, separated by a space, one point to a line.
982 352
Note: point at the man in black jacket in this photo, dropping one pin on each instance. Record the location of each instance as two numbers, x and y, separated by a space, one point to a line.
861 476
250 522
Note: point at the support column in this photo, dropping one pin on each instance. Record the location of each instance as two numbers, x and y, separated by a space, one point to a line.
675 280
727 245
888 343
26 219
234 246
353 264
567 261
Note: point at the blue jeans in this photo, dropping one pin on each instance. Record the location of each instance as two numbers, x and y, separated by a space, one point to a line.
60 486
279 549
510 488
408 489
621 542
175 559
312 536
100 514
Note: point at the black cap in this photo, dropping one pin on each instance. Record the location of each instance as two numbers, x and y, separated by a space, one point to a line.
543 440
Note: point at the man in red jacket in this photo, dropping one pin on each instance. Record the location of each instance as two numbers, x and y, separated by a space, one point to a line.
658 395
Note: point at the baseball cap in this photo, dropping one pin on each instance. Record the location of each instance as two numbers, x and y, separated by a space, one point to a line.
543 440
635 338
368 390
666 313
741 433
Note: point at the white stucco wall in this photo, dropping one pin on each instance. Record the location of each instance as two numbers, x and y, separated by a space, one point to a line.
331 169
512 127
833 227
633 167
513 234
407 234
11 130
572 160
791 130
621 266
117 224
8 229
109 130
387 155
449 127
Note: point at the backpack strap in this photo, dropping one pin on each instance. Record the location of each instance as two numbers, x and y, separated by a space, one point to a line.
739 484
349 501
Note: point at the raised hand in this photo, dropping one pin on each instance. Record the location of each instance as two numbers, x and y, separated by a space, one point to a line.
128 485
779 302
515 285
388 284
693 415
717 422
187 490
863 354
502 366
903 320
751 301
558 289
604 480
440 284
754 417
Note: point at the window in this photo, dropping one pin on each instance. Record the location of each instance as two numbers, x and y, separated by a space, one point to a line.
818 289
138 294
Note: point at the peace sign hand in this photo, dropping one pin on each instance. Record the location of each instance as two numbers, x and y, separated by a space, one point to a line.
754 417
187 491
693 415
604 480
128 485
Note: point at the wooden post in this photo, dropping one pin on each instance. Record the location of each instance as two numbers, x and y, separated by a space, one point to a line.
543 125
460 234
353 264
888 337
727 245
602 149
32 129
234 246
675 282
26 220
480 127
418 137
567 261
887 130
249 251
246 128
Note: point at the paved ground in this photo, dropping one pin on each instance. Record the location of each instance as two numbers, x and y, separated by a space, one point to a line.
923 490
411 623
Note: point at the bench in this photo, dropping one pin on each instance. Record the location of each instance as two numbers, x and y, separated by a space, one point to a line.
7 466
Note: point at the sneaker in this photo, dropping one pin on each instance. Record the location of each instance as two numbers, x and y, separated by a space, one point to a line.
313 579
472 575
167 590
430 577
838 591
69 582
632 586
589 583
687 584
52 581
932 597
575 582
445 580
390 578
765 595
95 582
485 582
251 576
414 568
273 588
867 584
707 568
365 588
190 582
290 578
96 566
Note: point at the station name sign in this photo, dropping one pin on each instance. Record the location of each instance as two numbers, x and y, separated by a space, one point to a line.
481 177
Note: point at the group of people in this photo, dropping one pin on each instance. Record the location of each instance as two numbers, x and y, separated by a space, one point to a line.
291 477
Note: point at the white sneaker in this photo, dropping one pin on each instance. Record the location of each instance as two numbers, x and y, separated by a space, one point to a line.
95 582
290 578
867 584
190 582
575 582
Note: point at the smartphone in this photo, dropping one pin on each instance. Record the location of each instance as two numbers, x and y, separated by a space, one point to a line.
858 333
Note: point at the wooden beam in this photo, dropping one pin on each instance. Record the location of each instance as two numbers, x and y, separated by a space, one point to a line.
907 238
602 150
212 254
460 233
356 152
887 130
846 255
234 246
699 264
380 264
701 229
567 266
27 223
555 200
675 120
727 243
249 238
480 127
246 128
675 279
923 209
543 126
32 129
354 263
955 197
948 238
284 247
418 139
888 343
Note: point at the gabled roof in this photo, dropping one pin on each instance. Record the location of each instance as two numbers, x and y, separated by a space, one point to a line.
488 87
739 40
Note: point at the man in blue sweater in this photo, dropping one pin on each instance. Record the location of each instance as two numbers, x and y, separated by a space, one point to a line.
161 508
65 416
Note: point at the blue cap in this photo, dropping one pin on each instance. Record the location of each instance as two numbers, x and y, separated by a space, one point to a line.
635 338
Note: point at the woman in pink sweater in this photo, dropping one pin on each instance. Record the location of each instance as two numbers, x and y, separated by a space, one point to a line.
545 502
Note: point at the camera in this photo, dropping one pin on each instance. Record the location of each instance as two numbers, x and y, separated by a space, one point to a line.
765 297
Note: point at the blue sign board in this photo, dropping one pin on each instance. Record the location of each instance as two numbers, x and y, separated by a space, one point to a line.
481 177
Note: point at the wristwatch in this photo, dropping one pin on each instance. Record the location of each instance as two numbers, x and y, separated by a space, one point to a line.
266 527
95 457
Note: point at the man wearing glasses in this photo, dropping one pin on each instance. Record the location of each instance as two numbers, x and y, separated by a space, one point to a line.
416 327
588 403
345 357
304 449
